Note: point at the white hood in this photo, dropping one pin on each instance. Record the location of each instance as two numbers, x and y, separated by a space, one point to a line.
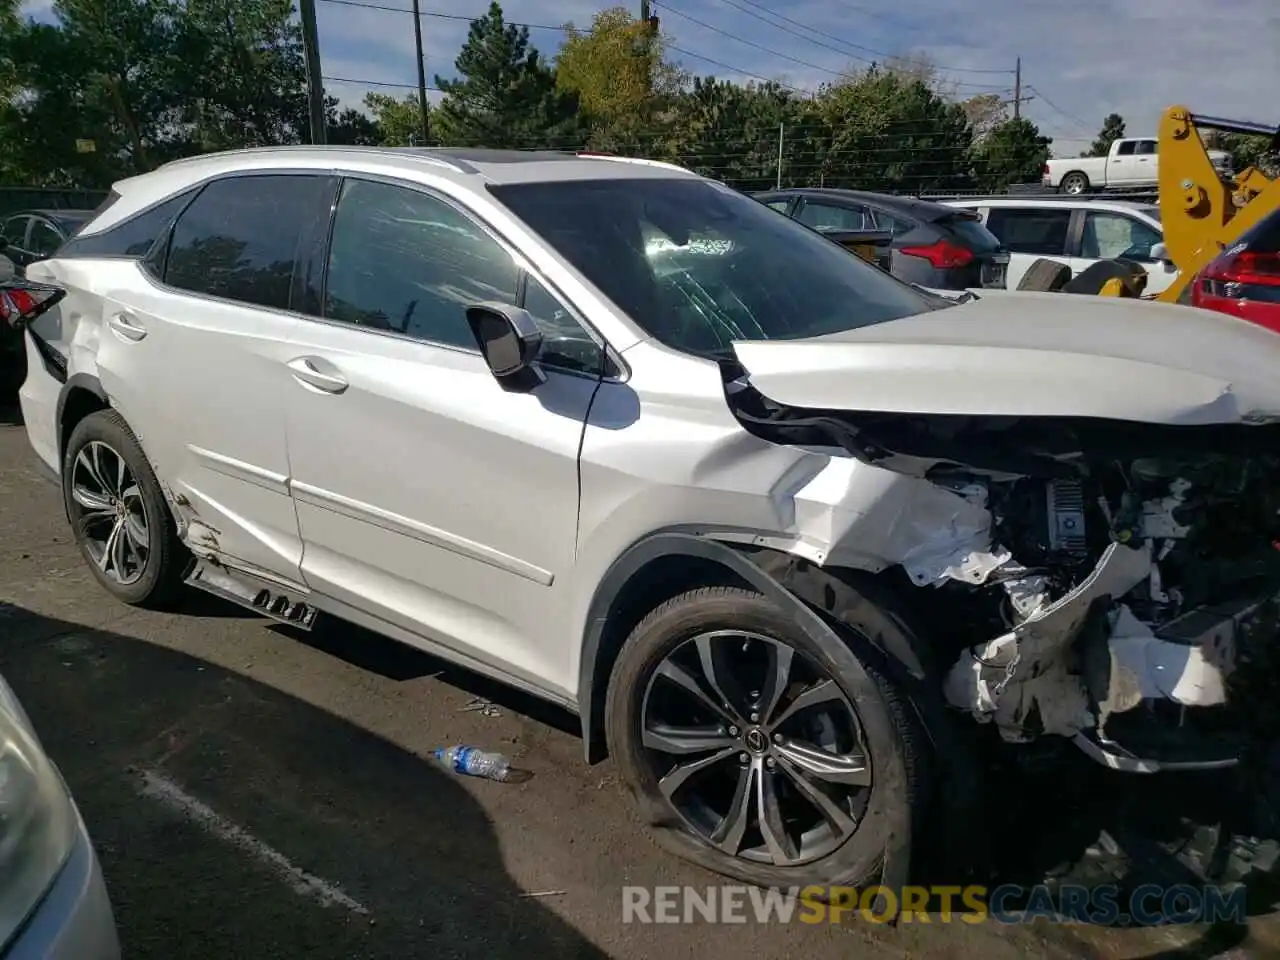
1034 354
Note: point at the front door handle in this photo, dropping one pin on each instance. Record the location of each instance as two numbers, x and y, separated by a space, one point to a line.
126 325
307 370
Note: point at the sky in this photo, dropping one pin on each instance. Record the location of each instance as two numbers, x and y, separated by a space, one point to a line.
1081 59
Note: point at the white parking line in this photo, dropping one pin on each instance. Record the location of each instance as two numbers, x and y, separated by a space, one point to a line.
167 792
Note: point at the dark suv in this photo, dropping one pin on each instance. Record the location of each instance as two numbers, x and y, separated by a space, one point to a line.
933 245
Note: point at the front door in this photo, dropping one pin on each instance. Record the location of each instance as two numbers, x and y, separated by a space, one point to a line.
193 353
427 496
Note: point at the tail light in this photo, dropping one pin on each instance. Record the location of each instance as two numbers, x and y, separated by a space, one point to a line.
21 304
1235 274
944 254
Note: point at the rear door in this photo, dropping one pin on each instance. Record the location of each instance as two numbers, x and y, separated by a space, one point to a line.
1122 167
194 354
1029 233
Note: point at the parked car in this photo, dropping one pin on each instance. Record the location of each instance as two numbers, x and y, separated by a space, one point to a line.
1244 280
770 521
31 235
1077 233
932 245
53 902
1131 163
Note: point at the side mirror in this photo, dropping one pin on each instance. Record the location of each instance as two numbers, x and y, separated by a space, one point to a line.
510 342
1160 252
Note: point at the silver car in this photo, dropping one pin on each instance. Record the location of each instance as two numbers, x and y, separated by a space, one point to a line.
774 524
53 903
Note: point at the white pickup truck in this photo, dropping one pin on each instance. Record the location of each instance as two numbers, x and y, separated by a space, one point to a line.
1130 165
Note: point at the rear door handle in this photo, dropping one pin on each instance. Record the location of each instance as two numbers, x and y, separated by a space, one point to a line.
307 370
126 325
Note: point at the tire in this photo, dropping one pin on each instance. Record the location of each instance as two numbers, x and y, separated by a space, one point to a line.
891 738
1091 280
1045 276
153 580
1075 183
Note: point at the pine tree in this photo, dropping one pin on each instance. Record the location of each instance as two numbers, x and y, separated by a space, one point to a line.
506 95
1112 130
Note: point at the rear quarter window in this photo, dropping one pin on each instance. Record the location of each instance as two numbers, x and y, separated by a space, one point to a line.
130 238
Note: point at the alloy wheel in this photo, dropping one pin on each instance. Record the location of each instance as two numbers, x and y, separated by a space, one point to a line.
110 514
756 748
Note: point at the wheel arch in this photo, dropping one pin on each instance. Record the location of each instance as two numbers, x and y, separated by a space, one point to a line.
666 564
80 396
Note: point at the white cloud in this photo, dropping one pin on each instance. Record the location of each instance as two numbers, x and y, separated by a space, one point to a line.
1081 59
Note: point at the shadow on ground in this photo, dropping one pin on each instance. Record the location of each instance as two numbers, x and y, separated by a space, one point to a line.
114 711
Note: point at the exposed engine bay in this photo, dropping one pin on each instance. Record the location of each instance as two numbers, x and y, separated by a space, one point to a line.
1120 573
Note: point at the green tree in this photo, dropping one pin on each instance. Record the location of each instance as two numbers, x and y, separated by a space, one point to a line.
619 72
886 130
1246 151
353 128
398 120
506 95
985 112
1015 152
1112 130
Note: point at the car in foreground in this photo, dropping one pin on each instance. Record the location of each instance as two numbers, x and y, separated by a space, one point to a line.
1244 279
53 902
1075 232
931 244
783 531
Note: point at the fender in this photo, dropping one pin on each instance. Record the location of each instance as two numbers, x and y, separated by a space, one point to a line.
898 841
78 381
755 568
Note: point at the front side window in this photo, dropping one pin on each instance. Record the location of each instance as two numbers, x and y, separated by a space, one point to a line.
403 261
698 265
239 238
828 218
1110 235
1031 230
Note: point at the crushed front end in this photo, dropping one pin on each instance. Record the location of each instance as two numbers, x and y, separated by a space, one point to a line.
1110 582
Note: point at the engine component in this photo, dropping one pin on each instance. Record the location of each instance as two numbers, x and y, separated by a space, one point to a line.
1066 518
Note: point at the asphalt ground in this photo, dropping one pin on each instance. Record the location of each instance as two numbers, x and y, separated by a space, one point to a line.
257 792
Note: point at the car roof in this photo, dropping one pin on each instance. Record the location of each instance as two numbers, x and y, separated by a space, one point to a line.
1089 204
467 170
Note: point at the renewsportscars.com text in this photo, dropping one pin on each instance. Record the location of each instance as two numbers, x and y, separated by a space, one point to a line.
1147 905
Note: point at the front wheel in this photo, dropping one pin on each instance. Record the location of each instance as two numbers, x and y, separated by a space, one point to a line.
118 514
757 751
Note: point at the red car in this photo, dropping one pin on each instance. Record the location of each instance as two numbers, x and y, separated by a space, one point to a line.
1244 280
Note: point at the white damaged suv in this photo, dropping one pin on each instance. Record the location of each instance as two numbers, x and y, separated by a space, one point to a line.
773 523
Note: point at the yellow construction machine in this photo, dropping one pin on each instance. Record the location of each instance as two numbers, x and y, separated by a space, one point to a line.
1201 212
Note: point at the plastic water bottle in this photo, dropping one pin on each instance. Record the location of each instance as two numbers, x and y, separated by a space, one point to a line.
474 763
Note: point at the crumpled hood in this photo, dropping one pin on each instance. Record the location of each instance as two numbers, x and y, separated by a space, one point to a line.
1034 354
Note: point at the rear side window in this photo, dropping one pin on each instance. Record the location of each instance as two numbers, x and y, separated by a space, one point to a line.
828 218
975 236
239 238
14 230
130 238
1031 230
44 239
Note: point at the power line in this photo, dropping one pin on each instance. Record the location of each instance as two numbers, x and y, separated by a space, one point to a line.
871 50
752 43
823 43
1081 125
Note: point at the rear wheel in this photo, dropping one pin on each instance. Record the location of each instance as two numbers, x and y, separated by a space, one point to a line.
118 514
1044 276
1075 183
755 750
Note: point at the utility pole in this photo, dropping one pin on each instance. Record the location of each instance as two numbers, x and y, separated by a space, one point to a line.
782 126
422 74
315 81
1018 98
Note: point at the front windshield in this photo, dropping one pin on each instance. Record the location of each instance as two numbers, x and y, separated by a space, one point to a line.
698 265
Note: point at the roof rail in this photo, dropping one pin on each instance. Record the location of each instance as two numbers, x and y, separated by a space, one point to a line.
416 153
661 164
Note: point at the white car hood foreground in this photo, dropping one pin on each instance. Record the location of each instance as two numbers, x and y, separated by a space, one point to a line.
1034 355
